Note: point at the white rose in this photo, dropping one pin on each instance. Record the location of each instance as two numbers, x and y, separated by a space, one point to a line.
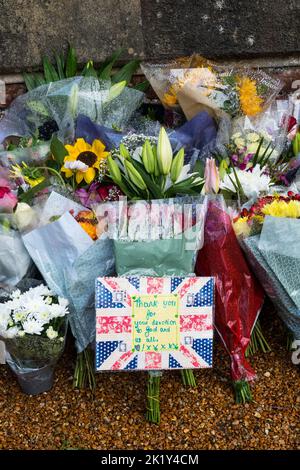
25 217
239 142
253 137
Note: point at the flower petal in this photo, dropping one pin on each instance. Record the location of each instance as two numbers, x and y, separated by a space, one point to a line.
81 145
79 177
89 175
98 147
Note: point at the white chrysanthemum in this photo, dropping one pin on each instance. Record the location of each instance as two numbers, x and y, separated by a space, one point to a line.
253 182
19 315
40 290
21 333
16 294
43 316
51 333
63 302
76 166
57 311
33 327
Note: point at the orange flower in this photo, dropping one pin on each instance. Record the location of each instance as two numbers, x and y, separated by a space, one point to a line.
88 222
251 103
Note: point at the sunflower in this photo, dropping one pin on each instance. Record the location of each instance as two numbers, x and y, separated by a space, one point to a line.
251 102
84 160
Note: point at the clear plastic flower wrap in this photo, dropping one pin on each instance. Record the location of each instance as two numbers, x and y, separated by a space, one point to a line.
267 133
154 238
207 86
36 153
270 235
14 258
33 327
70 260
55 106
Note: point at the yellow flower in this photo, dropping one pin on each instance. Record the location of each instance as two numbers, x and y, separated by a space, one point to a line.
283 209
241 227
30 175
84 159
251 103
170 97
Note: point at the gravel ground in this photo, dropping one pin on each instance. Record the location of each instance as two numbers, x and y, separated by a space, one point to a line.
202 418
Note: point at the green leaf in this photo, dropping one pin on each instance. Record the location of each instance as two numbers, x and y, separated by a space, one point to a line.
58 150
49 71
33 80
71 63
106 68
29 195
29 80
38 107
116 90
60 64
143 86
89 70
126 72
257 152
152 187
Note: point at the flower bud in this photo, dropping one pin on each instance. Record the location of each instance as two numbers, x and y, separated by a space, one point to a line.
177 165
148 157
114 170
124 152
134 176
164 152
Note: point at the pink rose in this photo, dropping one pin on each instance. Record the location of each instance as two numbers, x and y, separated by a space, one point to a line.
8 200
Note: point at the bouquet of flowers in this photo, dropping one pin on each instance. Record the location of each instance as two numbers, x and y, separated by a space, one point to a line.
14 259
69 252
275 259
151 233
237 307
205 85
33 327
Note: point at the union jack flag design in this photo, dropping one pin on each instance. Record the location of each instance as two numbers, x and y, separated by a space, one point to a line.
114 323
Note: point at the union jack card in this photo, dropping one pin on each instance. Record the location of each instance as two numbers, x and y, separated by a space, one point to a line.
151 323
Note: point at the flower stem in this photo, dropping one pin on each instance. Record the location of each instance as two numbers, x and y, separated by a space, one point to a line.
289 340
153 403
53 171
84 375
188 378
257 341
242 392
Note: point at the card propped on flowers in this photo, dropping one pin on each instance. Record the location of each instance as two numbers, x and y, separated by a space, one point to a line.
153 323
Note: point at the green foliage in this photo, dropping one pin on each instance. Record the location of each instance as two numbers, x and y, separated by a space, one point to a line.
142 179
61 68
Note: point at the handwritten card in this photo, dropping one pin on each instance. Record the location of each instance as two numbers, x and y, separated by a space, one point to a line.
148 323
155 321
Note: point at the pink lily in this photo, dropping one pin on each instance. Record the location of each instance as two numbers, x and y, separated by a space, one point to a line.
212 177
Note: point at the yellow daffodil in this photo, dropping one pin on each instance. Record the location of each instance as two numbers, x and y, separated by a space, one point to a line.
84 160
251 102
279 208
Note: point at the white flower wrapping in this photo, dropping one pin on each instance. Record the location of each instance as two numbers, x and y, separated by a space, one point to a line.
34 312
